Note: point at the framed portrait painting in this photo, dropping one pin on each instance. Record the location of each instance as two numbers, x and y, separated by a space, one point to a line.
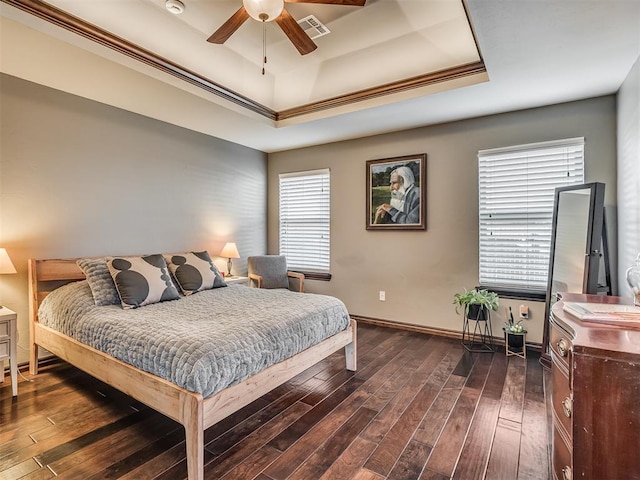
397 193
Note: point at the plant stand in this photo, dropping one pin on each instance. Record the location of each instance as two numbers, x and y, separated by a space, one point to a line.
481 338
515 344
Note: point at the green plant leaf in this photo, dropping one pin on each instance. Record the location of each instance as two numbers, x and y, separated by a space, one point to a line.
479 297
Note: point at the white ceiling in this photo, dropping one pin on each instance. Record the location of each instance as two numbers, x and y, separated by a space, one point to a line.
536 52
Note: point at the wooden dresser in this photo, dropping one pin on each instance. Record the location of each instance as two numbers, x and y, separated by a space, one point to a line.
595 396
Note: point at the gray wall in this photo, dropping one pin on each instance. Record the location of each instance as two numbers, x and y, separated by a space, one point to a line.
79 178
420 271
629 174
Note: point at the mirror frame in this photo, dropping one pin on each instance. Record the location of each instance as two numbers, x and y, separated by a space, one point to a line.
596 236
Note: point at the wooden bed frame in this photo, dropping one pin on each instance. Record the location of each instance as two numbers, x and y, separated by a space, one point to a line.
193 411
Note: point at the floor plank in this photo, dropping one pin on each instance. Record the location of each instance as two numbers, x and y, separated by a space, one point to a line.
137 458
503 461
513 393
433 422
474 456
399 436
350 461
254 464
534 454
444 456
410 464
255 440
322 459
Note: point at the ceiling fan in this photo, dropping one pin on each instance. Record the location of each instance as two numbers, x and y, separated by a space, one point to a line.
268 10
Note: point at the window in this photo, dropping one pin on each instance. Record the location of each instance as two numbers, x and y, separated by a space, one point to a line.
305 220
516 194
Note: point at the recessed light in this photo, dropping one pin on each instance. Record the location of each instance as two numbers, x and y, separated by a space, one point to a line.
174 6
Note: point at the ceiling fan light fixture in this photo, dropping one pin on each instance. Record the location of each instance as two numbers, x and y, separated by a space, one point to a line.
263 10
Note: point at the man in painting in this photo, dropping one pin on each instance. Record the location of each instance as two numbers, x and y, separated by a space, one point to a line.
404 206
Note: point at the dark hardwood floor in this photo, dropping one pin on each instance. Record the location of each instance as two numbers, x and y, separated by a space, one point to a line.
419 407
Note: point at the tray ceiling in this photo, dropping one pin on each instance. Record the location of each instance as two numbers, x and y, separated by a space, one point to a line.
376 51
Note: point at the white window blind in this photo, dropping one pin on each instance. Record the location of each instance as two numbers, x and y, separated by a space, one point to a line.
305 215
516 194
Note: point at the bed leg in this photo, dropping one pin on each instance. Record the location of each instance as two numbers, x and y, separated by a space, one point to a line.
33 316
194 436
351 350
33 359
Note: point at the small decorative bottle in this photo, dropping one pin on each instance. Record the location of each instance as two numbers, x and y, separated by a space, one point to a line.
633 278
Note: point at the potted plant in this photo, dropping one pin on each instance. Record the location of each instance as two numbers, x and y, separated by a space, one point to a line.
476 303
514 332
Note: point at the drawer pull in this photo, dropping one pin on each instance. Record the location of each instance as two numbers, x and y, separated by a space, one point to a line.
563 348
566 473
567 406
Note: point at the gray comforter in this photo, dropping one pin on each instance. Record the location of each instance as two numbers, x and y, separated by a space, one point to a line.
204 342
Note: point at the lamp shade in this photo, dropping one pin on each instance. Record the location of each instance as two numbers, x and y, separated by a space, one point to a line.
263 10
6 265
230 251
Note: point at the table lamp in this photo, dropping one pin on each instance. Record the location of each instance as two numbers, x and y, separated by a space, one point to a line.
229 251
6 265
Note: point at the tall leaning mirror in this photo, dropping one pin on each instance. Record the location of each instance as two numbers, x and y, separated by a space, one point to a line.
578 248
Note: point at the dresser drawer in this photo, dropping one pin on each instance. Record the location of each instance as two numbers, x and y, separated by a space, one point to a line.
4 328
562 464
4 349
561 346
562 399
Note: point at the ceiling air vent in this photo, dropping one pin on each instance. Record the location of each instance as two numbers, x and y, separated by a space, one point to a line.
312 27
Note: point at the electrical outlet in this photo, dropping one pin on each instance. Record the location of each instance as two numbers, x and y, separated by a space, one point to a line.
383 296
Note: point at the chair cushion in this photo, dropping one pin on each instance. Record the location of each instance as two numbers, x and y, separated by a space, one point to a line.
272 269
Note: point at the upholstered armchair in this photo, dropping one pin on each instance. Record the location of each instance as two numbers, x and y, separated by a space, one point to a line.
270 271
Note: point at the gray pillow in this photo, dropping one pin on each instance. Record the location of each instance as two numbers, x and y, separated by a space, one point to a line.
142 280
194 271
100 281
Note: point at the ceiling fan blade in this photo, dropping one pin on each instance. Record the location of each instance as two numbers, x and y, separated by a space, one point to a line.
354 3
295 33
229 27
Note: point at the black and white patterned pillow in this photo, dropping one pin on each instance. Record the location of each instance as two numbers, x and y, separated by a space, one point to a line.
99 279
142 280
194 271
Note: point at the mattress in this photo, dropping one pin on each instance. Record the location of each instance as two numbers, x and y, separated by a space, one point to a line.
203 342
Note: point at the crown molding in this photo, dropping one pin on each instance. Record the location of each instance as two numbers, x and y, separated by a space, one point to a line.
386 89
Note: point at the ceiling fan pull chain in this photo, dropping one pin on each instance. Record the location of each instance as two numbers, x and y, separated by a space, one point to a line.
264 42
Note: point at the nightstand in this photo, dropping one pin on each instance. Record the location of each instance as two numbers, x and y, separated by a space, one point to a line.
237 280
8 345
